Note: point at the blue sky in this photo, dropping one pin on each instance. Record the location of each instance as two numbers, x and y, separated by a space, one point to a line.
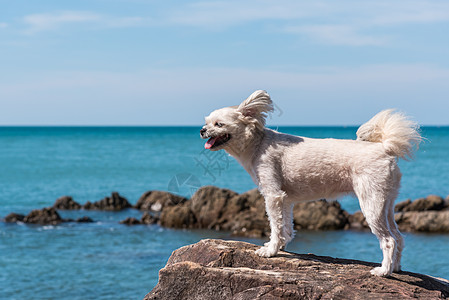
136 62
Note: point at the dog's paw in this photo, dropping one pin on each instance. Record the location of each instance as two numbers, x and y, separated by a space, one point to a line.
381 272
267 251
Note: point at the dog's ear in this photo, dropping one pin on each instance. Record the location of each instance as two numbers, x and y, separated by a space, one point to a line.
257 105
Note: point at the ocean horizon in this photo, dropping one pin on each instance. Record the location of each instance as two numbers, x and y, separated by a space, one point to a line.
104 258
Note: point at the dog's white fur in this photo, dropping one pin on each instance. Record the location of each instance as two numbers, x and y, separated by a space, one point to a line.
289 169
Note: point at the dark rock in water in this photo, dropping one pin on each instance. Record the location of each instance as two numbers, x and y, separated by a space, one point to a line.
423 221
431 202
45 216
244 215
401 205
215 269
84 219
158 200
208 203
130 221
357 221
179 216
148 219
113 203
14 218
319 215
446 202
67 203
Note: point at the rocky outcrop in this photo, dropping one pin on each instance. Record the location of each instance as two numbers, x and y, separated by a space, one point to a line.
147 219
14 218
84 220
244 214
113 203
216 269
430 214
45 216
320 215
426 221
66 203
431 202
130 221
156 201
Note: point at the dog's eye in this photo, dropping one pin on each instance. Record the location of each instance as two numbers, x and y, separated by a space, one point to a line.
218 124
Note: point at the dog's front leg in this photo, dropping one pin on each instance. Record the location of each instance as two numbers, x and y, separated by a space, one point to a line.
273 205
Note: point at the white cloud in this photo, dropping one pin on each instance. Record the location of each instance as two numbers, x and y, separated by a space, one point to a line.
41 22
229 13
52 21
330 22
3 25
338 35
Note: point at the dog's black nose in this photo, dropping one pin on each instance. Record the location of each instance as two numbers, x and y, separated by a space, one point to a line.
203 131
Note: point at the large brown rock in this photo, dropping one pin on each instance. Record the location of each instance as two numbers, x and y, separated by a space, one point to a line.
179 216
244 215
319 215
66 203
14 218
157 200
431 202
215 269
423 221
208 204
113 203
357 221
44 216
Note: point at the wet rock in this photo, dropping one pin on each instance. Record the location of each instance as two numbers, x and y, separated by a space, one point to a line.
216 269
84 219
244 215
319 215
431 202
157 200
113 203
208 203
357 221
148 219
423 221
66 203
179 216
45 216
14 218
402 205
130 221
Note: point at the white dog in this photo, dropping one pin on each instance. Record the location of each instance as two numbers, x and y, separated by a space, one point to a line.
289 169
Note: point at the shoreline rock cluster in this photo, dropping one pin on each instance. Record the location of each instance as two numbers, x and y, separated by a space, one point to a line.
242 214
217 269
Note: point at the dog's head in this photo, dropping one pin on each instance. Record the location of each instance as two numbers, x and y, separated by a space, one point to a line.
232 128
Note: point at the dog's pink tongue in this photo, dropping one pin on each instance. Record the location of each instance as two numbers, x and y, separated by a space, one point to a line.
210 143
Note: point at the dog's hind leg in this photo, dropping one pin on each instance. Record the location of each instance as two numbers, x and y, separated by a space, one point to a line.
397 235
375 207
287 215
396 177
274 208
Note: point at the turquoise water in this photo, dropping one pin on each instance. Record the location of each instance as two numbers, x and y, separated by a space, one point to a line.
106 260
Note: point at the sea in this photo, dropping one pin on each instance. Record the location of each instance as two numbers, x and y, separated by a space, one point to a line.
107 260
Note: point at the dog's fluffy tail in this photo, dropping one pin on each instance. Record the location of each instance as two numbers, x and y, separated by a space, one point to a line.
398 134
